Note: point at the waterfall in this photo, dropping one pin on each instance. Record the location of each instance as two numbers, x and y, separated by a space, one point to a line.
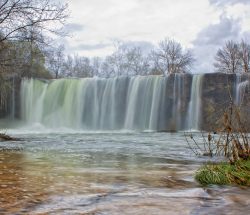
178 95
194 109
240 87
133 103
13 99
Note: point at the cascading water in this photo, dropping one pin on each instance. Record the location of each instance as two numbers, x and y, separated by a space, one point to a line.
178 95
13 100
240 87
194 109
96 104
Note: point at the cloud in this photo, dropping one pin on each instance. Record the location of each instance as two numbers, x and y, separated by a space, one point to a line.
139 20
216 34
87 47
74 27
145 46
210 39
228 2
246 36
200 24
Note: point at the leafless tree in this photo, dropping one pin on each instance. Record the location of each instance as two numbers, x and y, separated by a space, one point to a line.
244 55
227 59
82 67
135 62
24 23
125 61
156 66
68 67
108 68
114 64
55 60
171 58
96 66
116 60
17 16
76 66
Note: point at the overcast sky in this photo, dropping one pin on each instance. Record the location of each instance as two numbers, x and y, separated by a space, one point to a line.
201 25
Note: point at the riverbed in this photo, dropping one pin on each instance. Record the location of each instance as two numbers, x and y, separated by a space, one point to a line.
71 172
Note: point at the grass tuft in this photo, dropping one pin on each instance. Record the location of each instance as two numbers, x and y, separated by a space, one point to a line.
225 174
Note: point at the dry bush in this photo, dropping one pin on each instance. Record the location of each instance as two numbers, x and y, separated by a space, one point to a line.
230 141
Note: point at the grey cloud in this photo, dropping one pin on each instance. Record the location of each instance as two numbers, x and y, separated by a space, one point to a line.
210 39
74 27
204 58
84 47
226 2
145 46
246 36
217 33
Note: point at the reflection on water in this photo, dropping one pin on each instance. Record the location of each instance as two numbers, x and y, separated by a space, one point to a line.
108 173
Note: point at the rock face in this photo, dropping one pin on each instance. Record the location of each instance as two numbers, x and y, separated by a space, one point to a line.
216 92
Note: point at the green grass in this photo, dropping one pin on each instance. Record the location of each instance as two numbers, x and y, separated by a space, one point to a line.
225 174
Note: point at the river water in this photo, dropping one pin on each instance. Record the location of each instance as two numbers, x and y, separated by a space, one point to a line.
108 173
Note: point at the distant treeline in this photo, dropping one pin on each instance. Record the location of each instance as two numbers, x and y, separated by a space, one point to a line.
29 59
168 57
26 50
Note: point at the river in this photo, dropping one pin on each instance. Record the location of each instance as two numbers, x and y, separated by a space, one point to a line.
70 172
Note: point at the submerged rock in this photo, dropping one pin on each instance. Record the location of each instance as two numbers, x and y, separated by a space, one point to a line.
5 137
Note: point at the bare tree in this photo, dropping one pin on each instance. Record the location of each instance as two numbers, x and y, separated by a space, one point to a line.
135 62
125 61
171 58
76 66
17 16
108 67
96 66
156 66
114 64
116 60
82 67
55 60
228 58
244 54
24 23
68 67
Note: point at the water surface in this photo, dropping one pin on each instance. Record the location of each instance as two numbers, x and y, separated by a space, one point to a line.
108 173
